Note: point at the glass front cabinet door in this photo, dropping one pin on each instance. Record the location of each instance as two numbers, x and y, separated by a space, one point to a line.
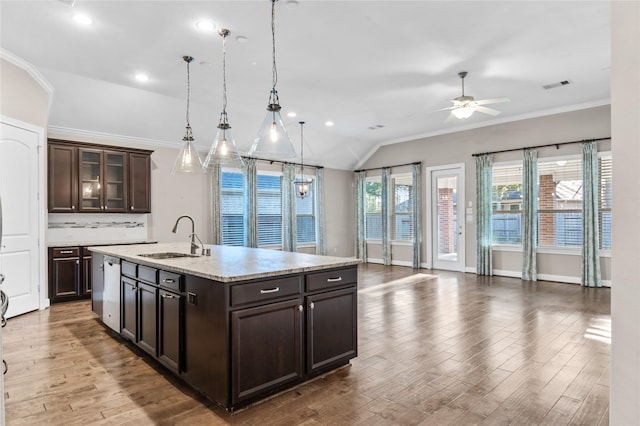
102 181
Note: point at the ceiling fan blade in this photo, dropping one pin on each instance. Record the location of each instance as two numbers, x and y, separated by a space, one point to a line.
486 110
450 118
492 101
447 109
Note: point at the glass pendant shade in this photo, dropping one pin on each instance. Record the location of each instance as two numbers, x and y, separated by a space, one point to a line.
272 141
302 185
188 160
223 150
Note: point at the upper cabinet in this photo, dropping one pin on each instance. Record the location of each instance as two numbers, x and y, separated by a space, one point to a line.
98 179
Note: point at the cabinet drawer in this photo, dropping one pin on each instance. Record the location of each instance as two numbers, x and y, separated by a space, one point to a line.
330 279
242 294
65 252
171 281
148 274
128 269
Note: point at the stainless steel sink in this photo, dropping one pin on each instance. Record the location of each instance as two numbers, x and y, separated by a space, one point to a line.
166 255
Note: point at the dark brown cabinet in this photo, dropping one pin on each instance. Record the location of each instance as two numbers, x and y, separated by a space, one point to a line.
139 183
91 178
70 273
63 179
152 312
103 180
266 348
331 328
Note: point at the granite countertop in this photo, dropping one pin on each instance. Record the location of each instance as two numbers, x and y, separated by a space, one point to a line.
94 243
226 263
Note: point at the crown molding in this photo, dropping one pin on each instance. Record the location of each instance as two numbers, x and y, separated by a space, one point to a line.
68 132
32 71
493 122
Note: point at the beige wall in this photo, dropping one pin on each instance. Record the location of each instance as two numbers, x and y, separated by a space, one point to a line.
625 291
340 210
21 97
458 147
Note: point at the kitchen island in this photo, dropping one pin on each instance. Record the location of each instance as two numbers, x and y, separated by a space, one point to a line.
240 324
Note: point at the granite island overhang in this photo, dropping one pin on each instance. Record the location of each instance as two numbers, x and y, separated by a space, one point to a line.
238 325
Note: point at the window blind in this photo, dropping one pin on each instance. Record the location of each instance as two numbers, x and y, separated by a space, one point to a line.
402 209
506 203
232 209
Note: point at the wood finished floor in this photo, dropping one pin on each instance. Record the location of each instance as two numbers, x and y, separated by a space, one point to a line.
456 349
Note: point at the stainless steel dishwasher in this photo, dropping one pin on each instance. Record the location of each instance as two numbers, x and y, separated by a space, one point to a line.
111 295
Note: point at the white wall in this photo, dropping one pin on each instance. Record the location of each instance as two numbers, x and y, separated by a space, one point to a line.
458 148
625 292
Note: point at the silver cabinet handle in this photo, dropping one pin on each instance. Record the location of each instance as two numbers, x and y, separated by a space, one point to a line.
271 290
169 280
300 308
132 208
168 296
311 305
66 252
73 207
334 280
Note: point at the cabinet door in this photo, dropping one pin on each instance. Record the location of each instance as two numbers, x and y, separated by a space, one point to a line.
139 183
266 349
170 329
147 317
331 329
62 179
87 273
65 278
128 309
90 187
115 181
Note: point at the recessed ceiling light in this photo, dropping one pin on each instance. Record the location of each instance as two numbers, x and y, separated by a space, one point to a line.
82 19
291 114
205 25
328 123
142 77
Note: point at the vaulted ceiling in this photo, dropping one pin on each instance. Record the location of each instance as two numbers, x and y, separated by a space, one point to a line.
380 70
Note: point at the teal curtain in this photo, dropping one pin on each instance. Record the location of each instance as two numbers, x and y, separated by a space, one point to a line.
590 217
416 176
251 203
288 208
386 215
484 233
361 237
321 231
529 214
216 197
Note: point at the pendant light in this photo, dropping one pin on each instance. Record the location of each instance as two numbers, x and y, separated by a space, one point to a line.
303 182
223 150
272 141
188 160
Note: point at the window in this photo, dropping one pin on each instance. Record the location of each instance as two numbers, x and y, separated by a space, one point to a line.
232 208
269 210
560 203
402 209
605 200
373 208
506 203
306 218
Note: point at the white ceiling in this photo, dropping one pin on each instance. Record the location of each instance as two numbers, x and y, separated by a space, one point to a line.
358 63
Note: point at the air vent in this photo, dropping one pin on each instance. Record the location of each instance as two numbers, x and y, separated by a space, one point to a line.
554 85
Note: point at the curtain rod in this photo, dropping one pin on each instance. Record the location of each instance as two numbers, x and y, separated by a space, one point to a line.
388 167
557 145
282 162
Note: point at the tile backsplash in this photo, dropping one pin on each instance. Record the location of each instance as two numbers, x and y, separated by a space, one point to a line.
96 228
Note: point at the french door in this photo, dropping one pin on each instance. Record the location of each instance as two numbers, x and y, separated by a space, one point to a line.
446 217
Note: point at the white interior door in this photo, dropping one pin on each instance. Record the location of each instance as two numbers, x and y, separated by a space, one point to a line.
447 217
20 175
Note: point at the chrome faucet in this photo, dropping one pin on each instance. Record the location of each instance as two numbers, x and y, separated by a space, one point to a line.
193 235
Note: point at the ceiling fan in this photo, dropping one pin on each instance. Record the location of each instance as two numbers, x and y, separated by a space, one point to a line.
464 106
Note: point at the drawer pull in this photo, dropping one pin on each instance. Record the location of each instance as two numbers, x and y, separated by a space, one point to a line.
66 252
312 305
334 280
271 290
168 296
169 280
300 308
